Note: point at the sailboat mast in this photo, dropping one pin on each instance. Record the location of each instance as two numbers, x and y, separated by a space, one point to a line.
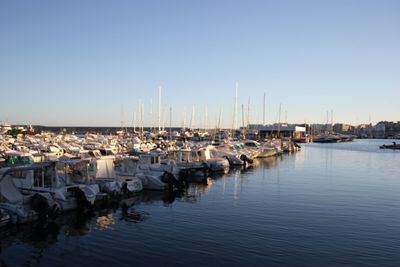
219 118
234 125
206 119
170 123
248 112
264 110
279 119
159 108
242 115
192 119
151 114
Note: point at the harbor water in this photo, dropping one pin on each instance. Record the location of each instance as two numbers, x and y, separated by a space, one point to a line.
326 205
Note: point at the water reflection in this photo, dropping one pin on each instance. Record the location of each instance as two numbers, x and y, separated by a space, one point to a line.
104 222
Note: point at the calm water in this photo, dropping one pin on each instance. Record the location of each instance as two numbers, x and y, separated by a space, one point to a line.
328 205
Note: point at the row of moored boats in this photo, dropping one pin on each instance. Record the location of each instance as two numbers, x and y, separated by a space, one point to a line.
44 175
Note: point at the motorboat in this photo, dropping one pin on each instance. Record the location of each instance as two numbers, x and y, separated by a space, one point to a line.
112 182
148 168
19 207
392 146
326 138
43 178
214 164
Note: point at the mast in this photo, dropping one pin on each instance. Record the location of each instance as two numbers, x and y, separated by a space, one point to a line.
159 108
142 119
234 124
264 110
184 119
285 116
192 119
170 123
219 118
242 115
151 114
206 119
327 121
122 117
279 119
248 112
134 121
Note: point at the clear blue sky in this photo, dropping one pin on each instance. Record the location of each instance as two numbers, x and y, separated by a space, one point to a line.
91 62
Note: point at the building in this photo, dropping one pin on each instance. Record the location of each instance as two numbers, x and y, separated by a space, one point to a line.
279 130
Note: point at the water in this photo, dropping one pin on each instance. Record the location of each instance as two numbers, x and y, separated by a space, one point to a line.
327 205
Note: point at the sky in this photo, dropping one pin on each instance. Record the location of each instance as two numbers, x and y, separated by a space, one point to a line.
101 62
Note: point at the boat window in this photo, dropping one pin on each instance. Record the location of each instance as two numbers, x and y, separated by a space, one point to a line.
18 174
250 144
43 177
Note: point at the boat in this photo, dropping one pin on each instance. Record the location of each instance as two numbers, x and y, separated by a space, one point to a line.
326 139
393 146
258 150
43 178
214 163
5 218
183 164
112 182
148 168
19 207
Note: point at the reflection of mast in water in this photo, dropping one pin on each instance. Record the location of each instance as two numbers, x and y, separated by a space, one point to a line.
223 184
235 186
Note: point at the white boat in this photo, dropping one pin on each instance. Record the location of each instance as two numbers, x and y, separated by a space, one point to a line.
234 156
184 164
260 150
111 182
23 208
215 164
43 178
148 168
77 171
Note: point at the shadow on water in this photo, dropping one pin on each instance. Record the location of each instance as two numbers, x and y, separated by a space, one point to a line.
41 236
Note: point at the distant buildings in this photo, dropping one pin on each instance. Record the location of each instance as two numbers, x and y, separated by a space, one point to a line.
279 130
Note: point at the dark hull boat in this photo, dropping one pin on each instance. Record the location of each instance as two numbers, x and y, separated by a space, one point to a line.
393 146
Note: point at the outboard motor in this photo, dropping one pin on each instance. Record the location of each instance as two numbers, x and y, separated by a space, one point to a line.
171 180
124 189
246 159
40 204
296 145
206 169
229 160
81 200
